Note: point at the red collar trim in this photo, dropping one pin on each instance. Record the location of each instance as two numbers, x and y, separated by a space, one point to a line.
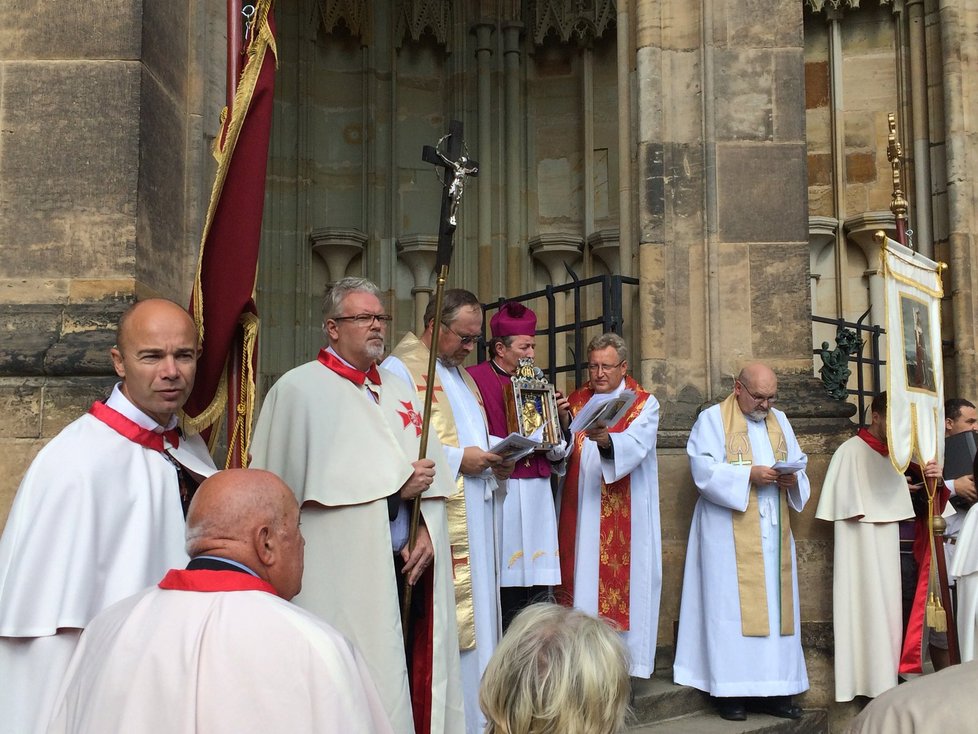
132 430
353 375
874 443
179 579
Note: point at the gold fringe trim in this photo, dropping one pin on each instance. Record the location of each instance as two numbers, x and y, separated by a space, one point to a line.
262 42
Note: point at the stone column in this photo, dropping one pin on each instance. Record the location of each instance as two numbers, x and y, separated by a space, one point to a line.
555 251
959 42
860 229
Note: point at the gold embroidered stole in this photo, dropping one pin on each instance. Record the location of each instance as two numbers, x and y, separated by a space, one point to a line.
747 529
414 354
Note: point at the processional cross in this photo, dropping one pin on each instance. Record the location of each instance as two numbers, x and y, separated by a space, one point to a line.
456 165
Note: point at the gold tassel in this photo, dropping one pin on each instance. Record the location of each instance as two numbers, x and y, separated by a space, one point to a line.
936 616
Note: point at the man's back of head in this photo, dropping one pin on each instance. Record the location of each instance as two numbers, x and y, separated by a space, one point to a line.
251 517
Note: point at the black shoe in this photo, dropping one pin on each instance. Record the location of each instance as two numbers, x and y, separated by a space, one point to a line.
780 706
731 709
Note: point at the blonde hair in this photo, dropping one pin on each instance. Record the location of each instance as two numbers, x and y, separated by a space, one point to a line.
556 671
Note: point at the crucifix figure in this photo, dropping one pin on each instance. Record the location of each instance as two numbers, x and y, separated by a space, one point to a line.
456 166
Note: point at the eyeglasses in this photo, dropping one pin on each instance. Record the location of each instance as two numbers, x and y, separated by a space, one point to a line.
466 340
769 399
599 368
366 319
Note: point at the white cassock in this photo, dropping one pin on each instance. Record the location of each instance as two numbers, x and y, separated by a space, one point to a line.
865 498
635 457
96 518
481 509
218 662
342 454
964 566
712 653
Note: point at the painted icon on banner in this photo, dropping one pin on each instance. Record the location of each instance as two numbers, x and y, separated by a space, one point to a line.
917 343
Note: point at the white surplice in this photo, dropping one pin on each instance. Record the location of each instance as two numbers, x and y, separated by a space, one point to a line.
964 566
865 498
635 457
481 514
96 518
216 662
342 454
712 654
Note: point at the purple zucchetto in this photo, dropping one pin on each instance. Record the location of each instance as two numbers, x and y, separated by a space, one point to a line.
513 319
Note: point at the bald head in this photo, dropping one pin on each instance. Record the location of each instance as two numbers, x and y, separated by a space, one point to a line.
252 517
756 390
156 357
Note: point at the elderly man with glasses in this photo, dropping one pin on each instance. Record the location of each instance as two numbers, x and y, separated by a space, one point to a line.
474 512
345 436
739 627
608 530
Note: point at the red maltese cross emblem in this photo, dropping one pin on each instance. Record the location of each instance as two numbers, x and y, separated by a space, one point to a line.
411 417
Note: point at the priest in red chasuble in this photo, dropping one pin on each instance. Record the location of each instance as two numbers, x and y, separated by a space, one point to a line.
529 563
739 624
609 534
99 513
344 434
216 647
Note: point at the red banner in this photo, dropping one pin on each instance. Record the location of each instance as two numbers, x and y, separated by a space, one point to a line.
222 302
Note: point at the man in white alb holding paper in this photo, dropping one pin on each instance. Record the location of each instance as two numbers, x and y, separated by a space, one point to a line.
739 625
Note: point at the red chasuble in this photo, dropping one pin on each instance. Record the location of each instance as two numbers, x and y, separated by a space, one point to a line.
614 556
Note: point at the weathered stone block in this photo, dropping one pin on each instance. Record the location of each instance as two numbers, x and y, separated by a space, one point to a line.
860 167
20 405
67 399
775 176
50 29
166 35
819 169
789 93
70 206
744 90
816 84
652 198
779 303
165 254
763 23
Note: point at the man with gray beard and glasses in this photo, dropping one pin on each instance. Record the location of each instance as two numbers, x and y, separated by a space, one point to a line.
345 435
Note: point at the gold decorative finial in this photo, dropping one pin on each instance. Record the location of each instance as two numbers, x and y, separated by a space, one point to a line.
894 154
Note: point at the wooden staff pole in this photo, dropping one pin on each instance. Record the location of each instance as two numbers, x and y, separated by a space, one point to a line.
425 429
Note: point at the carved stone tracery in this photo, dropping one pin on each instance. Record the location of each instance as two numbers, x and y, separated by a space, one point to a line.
818 5
354 14
579 20
414 17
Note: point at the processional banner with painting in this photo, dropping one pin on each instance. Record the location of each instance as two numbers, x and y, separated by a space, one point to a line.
915 374
915 422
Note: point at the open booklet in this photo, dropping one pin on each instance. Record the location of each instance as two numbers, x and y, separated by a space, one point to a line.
515 446
603 408
788 467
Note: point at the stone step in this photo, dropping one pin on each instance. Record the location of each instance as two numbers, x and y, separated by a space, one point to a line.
707 722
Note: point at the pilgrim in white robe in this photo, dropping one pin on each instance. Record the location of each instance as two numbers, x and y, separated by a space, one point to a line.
634 457
482 511
179 661
865 498
97 517
964 566
342 454
712 653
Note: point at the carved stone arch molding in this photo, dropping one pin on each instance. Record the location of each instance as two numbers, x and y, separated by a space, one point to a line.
354 14
412 18
569 20
818 5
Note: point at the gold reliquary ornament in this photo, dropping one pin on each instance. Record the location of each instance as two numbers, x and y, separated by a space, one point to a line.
531 405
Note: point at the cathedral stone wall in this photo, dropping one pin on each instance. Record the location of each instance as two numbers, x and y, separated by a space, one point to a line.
103 178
